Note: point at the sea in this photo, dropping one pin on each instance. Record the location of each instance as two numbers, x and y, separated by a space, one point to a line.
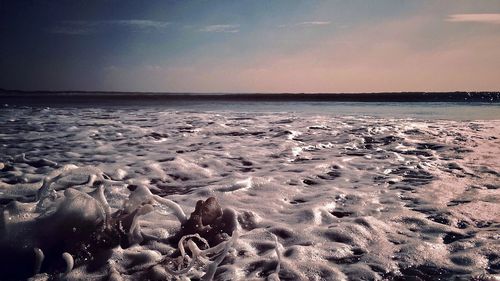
216 189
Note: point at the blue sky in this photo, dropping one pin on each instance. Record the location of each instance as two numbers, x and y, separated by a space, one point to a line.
251 46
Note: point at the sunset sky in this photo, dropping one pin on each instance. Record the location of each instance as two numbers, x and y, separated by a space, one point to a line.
250 46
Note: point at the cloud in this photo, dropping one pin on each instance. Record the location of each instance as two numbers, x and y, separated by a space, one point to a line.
479 18
228 28
306 24
313 23
140 23
70 30
87 27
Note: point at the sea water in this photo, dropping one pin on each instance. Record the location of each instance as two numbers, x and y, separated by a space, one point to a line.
321 190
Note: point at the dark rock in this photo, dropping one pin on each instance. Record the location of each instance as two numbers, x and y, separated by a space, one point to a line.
209 221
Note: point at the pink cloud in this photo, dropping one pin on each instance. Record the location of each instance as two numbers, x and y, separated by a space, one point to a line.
480 18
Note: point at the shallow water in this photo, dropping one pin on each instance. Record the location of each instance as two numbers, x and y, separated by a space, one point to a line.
426 110
416 110
348 196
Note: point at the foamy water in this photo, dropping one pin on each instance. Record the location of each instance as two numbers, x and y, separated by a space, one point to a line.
316 196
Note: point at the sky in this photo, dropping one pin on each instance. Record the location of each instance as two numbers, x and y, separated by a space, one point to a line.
250 46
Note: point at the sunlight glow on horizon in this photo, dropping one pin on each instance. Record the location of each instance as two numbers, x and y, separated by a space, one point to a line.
310 46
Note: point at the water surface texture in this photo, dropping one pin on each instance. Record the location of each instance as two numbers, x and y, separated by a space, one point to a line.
320 191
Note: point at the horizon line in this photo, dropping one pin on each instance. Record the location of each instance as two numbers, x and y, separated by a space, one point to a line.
3 91
93 97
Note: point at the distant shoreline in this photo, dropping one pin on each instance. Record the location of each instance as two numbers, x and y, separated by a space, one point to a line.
88 96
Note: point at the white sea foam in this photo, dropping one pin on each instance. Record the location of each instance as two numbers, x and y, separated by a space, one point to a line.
353 198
